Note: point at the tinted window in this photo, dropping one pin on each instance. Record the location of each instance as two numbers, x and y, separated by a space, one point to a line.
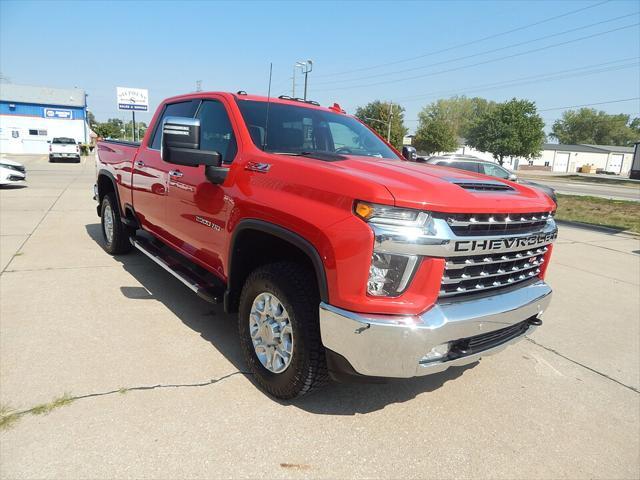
494 170
297 129
469 166
64 140
216 133
182 109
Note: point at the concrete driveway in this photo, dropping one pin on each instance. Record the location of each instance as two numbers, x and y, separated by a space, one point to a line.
155 384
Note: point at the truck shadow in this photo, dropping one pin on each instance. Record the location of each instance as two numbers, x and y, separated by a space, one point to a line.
219 329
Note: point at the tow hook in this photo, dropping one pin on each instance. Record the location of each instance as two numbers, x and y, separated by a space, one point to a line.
536 322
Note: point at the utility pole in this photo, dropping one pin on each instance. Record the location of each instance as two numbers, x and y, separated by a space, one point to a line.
293 84
389 126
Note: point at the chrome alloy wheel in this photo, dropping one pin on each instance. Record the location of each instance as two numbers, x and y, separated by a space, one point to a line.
108 223
271 332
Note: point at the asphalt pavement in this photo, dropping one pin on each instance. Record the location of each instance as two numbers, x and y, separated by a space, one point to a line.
155 385
576 187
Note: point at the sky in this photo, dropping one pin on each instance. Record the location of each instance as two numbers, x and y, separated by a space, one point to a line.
556 53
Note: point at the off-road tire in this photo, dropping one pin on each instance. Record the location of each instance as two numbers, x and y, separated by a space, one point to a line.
119 242
295 286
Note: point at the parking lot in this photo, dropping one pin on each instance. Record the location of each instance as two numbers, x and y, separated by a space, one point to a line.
155 387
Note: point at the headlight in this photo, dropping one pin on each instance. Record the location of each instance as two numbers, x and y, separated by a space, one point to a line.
390 274
388 215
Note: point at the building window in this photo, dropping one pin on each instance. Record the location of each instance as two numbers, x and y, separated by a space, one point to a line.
546 164
38 132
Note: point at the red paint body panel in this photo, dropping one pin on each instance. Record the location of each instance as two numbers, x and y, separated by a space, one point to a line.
304 195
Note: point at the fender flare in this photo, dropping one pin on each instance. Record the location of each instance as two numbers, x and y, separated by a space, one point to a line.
106 173
288 236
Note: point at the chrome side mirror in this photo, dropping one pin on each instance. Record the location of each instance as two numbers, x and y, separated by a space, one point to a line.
513 177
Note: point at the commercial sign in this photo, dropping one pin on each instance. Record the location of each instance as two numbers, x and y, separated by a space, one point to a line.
133 98
58 113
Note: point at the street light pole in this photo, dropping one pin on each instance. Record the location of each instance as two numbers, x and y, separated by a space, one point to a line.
308 68
305 67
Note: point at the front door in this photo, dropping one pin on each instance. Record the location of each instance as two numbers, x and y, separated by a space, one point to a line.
198 209
151 174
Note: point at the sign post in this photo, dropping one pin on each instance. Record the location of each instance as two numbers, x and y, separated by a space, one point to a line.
133 99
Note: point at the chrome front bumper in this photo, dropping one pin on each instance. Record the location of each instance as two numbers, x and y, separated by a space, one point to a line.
394 345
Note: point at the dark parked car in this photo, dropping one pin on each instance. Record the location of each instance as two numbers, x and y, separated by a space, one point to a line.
476 165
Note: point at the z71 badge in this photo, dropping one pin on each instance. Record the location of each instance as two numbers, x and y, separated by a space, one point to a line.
504 243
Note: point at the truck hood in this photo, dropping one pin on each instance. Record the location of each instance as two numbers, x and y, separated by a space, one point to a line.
429 187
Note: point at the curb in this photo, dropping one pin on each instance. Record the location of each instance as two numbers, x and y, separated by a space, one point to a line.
599 228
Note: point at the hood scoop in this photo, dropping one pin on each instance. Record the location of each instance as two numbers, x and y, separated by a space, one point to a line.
483 185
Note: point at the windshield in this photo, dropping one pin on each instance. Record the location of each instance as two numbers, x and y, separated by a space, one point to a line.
64 140
309 131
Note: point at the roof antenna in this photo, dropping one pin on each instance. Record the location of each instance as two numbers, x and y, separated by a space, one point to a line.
266 123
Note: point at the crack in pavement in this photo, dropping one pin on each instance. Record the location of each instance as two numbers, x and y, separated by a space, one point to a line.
10 417
549 349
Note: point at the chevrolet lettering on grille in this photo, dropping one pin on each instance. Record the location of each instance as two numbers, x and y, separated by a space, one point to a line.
504 243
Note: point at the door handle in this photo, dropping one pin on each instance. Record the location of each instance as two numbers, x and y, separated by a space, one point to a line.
175 173
139 163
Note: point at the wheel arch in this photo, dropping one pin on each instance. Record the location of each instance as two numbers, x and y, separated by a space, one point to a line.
261 236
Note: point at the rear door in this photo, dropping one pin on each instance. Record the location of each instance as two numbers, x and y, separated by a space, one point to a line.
196 208
150 173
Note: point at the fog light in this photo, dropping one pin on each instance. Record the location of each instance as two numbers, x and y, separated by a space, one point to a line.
436 353
390 274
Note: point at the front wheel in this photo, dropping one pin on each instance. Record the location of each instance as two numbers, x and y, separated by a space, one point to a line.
278 322
116 234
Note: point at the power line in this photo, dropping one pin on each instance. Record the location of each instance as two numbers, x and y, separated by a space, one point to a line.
590 104
484 62
570 106
558 75
473 55
461 45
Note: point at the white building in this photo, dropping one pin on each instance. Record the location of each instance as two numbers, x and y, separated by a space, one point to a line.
30 116
570 158
566 158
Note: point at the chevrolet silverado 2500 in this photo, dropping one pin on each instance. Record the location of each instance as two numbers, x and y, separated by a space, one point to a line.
342 259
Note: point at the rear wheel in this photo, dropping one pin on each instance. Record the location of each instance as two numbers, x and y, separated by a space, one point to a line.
280 332
116 234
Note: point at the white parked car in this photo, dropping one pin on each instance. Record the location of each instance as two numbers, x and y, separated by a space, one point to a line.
63 148
12 173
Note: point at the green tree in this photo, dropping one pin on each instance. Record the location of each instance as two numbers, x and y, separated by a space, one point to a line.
512 128
140 126
459 112
376 115
91 118
112 128
435 135
591 126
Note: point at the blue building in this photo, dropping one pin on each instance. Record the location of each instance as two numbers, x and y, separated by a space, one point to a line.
30 116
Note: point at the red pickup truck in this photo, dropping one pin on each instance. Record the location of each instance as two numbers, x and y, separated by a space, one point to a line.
343 259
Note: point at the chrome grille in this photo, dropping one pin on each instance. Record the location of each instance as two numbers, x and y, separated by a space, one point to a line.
471 224
466 275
